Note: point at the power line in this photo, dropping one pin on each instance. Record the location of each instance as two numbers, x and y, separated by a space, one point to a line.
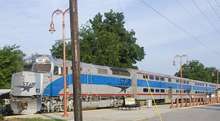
205 16
217 3
184 8
188 12
178 26
213 8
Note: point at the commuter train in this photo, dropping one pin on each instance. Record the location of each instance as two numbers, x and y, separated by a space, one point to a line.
41 88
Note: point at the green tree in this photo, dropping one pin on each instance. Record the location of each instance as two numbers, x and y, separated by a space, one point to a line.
106 41
11 61
197 71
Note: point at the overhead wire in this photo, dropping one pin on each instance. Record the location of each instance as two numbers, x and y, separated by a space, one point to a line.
205 16
217 3
178 27
186 11
184 8
191 15
213 9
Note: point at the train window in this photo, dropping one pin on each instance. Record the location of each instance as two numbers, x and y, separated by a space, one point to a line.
56 70
152 90
157 90
199 84
169 79
177 91
145 76
145 89
162 90
157 78
151 77
59 70
42 68
102 71
188 91
120 72
177 81
162 78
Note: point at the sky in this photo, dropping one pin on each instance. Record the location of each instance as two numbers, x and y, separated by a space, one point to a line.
164 28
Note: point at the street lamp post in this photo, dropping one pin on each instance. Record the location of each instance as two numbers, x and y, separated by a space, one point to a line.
52 29
217 85
180 58
217 78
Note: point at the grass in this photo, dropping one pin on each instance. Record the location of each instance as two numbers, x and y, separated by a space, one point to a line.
32 119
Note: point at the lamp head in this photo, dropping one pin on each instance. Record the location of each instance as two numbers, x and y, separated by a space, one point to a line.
52 28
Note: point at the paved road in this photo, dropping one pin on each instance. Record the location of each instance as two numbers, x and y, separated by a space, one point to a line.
203 113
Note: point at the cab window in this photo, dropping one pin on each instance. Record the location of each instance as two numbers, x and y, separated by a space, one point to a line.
41 68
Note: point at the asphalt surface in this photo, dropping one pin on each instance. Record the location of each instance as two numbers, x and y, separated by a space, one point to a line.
203 113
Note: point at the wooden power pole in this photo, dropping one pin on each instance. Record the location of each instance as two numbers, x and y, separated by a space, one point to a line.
76 60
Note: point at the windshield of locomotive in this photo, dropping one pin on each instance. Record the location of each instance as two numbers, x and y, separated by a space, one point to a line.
42 65
41 68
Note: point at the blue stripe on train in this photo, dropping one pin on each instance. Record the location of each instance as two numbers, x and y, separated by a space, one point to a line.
54 88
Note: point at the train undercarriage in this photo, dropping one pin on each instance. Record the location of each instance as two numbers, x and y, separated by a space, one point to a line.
31 105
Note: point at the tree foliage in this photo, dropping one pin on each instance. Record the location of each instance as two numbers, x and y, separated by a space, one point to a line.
106 41
197 71
11 61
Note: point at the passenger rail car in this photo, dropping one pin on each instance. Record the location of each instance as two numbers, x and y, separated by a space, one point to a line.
41 88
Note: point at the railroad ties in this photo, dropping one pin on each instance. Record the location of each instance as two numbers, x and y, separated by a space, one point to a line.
193 101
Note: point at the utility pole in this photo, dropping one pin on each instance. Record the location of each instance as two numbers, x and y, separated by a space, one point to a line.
75 60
